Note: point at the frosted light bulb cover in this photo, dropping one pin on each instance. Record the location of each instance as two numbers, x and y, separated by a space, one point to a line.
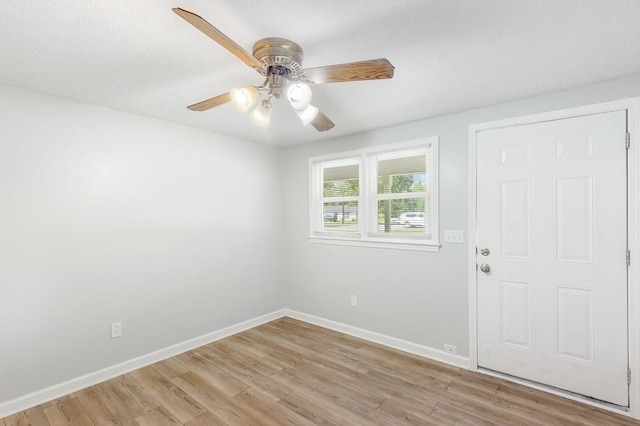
299 95
244 98
261 116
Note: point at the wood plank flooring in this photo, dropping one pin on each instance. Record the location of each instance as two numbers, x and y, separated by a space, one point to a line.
290 372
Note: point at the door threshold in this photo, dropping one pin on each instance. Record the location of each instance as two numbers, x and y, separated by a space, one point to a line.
597 403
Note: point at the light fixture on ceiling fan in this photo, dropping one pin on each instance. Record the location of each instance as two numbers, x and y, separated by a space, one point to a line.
280 61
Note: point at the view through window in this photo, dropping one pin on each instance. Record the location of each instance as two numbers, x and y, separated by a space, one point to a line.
383 195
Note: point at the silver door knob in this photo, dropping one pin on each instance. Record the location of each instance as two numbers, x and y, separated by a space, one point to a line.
485 252
485 268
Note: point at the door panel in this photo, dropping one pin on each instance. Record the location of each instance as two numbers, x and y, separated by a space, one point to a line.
515 314
574 323
551 209
515 210
574 219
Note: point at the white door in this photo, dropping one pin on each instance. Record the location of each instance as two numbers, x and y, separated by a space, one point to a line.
551 210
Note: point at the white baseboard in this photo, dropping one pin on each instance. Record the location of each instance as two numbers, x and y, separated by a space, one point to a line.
392 342
39 397
74 385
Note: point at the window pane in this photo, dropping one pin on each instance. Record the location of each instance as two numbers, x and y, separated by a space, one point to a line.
403 216
341 181
340 217
401 175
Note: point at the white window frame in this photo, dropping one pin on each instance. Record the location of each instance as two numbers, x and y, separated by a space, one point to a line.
367 159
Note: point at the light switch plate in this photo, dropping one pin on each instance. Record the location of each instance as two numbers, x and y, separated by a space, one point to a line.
453 236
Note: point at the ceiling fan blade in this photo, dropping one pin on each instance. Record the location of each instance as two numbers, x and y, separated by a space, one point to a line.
322 123
211 103
372 69
217 36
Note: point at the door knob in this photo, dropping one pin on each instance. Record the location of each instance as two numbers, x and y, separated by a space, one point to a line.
485 252
485 268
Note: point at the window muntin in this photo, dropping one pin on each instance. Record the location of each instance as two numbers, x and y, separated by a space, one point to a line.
385 196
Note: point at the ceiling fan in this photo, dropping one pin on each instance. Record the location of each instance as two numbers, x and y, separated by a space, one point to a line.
280 61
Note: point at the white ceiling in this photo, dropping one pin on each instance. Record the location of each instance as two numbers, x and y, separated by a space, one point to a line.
450 55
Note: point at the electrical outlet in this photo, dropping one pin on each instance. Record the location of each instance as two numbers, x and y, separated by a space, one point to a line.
354 300
453 350
116 330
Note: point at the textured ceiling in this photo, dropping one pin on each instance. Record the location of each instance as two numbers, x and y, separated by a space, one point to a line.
450 55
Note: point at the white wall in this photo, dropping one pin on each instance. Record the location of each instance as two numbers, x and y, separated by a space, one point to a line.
106 216
420 297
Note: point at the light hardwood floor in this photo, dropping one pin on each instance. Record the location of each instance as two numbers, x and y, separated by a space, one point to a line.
290 372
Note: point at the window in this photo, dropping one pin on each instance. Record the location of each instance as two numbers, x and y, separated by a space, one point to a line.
384 197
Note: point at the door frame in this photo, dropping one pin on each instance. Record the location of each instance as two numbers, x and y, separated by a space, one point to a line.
632 105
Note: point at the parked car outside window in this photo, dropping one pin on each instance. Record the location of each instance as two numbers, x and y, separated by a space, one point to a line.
412 219
331 217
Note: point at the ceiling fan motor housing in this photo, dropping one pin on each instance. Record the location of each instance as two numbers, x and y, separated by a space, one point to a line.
279 54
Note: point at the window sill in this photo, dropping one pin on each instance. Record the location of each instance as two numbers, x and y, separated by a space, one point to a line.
373 243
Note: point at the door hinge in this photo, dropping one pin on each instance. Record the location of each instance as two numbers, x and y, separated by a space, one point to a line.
628 257
627 140
628 375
